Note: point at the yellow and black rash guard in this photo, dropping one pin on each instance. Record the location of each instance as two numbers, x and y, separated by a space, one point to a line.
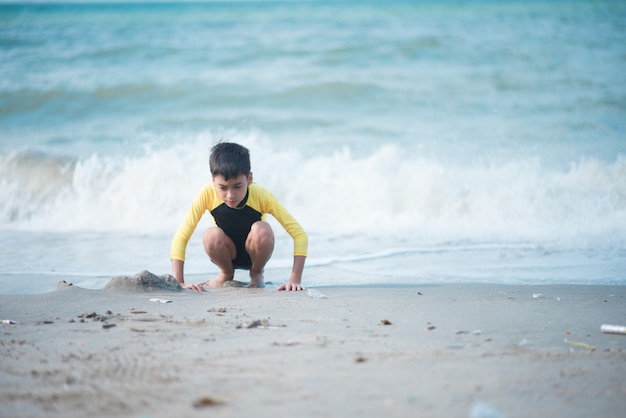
236 222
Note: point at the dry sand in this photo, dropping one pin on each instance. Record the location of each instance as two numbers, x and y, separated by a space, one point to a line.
435 351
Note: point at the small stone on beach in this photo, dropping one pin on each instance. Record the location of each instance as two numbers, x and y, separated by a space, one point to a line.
207 401
63 284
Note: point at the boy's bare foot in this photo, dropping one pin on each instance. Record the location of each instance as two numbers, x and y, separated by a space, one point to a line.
218 281
256 279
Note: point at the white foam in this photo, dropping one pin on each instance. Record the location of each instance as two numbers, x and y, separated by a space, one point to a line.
389 192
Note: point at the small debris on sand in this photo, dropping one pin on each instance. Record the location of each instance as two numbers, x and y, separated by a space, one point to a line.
63 284
207 401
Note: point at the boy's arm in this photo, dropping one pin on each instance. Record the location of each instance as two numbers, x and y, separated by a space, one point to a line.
269 204
200 204
295 279
178 270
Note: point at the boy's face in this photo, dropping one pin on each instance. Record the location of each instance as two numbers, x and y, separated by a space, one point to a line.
232 191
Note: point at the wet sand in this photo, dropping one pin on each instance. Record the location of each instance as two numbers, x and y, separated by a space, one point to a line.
475 350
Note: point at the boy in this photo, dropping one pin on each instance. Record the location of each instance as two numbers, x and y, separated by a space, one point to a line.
240 239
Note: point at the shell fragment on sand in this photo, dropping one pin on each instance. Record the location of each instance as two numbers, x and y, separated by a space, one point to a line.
160 300
613 329
315 294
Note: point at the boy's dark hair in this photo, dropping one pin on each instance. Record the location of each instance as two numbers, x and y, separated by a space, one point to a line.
229 160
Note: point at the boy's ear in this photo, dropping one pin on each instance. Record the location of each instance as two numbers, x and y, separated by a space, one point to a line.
250 178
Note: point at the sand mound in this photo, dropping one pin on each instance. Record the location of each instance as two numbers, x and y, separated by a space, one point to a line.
144 282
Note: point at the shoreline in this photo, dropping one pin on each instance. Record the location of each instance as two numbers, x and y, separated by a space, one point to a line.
433 350
13 283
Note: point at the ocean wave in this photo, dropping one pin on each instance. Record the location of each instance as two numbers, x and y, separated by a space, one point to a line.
389 192
31 182
331 90
58 102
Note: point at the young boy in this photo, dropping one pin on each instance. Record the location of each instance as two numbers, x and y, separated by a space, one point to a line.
240 239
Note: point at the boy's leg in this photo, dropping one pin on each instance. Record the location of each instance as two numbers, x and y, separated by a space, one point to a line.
221 250
259 245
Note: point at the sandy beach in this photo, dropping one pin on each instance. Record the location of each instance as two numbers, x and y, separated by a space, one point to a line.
472 350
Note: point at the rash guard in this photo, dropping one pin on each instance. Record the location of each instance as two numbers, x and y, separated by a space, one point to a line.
236 222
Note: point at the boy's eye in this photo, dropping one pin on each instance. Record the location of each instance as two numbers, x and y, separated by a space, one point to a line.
236 187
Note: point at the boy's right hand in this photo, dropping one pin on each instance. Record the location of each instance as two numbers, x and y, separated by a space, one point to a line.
178 268
196 287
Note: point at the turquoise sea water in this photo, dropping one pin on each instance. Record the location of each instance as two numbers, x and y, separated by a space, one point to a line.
416 141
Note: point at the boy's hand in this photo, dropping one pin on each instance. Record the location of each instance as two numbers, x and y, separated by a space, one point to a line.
196 287
296 275
291 286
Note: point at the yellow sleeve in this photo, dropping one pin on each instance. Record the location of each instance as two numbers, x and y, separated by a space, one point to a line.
268 203
204 201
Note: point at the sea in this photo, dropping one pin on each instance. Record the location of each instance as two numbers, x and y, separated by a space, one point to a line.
417 142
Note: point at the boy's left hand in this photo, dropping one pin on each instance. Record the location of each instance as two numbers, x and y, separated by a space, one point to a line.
291 286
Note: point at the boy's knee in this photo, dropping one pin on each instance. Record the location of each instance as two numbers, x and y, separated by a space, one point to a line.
261 233
213 237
